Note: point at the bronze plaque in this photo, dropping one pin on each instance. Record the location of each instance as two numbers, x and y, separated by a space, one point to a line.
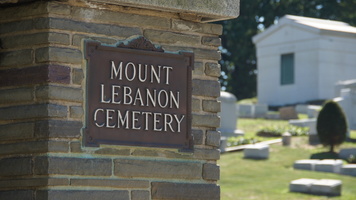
138 95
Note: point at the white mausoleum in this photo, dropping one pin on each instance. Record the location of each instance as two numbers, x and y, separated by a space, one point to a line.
301 59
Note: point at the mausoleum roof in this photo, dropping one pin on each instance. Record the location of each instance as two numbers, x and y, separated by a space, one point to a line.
319 26
322 24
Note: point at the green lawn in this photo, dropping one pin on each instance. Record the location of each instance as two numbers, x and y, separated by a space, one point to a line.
353 134
269 179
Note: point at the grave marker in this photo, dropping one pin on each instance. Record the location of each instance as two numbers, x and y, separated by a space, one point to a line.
132 98
256 151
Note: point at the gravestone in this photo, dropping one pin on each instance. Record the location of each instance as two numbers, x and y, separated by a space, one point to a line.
286 139
301 185
261 110
228 115
302 108
245 110
329 165
327 187
228 119
308 164
252 110
103 99
349 170
347 101
313 111
287 113
256 151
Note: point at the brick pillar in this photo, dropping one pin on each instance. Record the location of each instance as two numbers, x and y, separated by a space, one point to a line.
42 83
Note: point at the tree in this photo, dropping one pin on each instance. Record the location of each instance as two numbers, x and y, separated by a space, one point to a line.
331 125
238 62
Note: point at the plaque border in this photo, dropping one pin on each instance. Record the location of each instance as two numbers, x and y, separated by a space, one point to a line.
142 46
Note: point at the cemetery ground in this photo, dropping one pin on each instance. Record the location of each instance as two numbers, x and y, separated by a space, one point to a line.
269 179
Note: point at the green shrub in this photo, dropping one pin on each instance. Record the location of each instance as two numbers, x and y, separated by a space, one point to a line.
331 125
277 131
240 140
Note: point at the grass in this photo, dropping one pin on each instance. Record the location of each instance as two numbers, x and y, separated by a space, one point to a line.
269 179
353 134
302 116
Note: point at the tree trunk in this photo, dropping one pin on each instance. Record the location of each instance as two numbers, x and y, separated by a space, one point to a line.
331 148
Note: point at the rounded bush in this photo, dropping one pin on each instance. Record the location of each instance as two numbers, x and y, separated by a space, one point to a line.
331 125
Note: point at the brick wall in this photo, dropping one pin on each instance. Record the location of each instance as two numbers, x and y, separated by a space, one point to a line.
42 73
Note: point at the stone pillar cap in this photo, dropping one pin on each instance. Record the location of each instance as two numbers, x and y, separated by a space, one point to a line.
197 10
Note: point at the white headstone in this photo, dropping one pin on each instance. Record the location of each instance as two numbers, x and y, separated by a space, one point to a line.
302 108
339 86
301 185
305 164
329 165
328 187
228 115
256 151
349 170
347 91
245 110
348 104
260 111
313 111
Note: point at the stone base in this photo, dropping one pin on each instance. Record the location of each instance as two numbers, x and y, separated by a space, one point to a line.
349 170
256 152
346 153
328 165
301 185
327 187
305 164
